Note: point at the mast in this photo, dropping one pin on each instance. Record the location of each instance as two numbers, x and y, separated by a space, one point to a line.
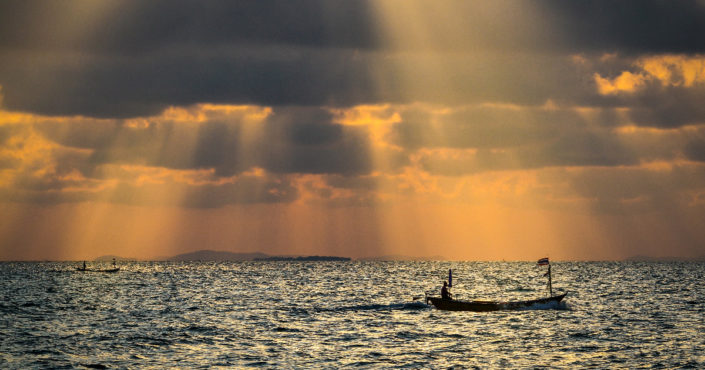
545 262
450 278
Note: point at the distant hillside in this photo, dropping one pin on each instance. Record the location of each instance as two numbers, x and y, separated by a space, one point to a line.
209 255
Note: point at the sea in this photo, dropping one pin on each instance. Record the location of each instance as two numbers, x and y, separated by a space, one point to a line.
357 314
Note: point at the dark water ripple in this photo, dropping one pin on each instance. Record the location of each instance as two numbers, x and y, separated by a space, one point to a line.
348 314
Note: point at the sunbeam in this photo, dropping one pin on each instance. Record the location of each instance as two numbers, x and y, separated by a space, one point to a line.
455 129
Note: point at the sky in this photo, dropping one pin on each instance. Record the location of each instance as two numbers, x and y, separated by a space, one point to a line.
470 130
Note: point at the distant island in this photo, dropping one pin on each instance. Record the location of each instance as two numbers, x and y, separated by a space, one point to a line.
217 256
303 258
213 255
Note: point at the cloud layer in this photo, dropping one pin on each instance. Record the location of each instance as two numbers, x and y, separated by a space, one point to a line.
129 59
591 107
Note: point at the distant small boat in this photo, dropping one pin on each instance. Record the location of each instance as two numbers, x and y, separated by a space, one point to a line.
482 306
85 269
116 269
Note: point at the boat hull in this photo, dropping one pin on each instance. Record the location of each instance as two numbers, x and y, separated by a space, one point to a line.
483 306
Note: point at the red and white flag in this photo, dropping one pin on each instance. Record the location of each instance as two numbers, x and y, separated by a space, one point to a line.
543 261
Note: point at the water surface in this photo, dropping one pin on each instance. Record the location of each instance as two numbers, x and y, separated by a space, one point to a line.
336 314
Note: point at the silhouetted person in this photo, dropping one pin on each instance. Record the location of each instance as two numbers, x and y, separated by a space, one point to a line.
114 266
445 294
84 265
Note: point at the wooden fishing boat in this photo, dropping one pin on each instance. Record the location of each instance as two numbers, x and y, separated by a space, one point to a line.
447 303
482 306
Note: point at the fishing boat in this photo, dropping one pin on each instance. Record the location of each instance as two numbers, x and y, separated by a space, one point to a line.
450 304
85 269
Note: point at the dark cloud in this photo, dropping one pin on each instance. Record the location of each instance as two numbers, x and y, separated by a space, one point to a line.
484 127
134 58
129 87
129 27
585 149
639 189
137 58
312 134
517 138
575 149
695 149
81 133
292 140
668 107
511 139
305 141
124 87
246 191
631 26
217 147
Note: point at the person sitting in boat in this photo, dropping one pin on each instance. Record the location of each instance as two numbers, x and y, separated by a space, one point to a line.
445 294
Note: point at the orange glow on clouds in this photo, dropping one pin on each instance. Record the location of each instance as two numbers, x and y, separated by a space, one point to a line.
668 70
133 209
460 166
625 82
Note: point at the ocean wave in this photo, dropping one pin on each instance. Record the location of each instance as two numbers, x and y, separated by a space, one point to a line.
306 316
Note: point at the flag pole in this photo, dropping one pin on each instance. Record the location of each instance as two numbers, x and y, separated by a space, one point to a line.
450 278
546 262
550 287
